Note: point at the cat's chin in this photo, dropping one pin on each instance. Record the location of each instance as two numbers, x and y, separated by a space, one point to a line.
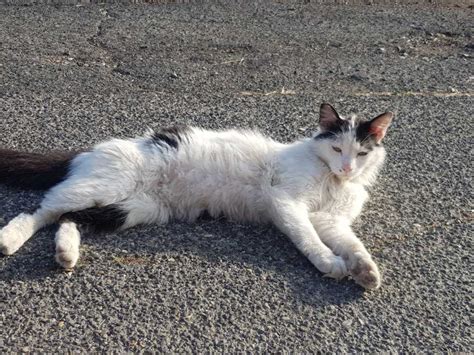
345 178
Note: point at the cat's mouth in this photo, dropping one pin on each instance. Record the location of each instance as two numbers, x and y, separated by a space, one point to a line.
341 177
345 176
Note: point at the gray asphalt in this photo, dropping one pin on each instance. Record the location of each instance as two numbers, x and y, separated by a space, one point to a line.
72 76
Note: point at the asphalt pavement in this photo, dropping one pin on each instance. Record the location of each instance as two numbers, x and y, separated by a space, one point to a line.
72 76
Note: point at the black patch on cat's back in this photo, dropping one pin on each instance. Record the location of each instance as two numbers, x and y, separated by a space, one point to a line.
161 139
98 219
169 137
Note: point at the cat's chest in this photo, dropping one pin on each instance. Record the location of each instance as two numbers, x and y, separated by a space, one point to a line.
338 198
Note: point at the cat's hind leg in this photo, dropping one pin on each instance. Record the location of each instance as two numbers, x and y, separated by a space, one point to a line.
68 237
139 209
70 195
21 228
24 226
96 219
67 242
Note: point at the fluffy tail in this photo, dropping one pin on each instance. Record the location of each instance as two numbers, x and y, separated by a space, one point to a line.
33 170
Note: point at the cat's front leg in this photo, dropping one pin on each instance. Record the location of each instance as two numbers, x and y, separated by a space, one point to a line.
292 219
336 233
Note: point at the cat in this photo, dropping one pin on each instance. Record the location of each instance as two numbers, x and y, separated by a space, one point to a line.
311 189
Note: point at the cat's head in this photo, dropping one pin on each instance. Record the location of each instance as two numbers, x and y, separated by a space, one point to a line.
351 147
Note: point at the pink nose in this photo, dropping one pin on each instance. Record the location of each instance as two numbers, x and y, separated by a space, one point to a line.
346 168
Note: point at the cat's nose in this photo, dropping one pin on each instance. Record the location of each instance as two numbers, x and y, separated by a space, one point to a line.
346 168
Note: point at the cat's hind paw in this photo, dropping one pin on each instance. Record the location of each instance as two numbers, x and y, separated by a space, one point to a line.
67 245
8 243
365 272
67 259
13 236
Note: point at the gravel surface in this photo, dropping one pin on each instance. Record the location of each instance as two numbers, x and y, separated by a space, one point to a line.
72 76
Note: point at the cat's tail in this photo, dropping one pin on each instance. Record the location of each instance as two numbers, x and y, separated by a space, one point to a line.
34 171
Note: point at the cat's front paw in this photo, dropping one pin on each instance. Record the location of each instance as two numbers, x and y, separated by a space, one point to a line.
365 272
332 266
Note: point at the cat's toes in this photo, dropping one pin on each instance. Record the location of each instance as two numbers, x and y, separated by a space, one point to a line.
67 253
366 273
9 241
67 245
67 258
332 266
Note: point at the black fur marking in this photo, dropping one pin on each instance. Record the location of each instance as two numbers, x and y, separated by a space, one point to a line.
160 139
334 130
326 135
98 219
169 137
33 170
205 216
363 135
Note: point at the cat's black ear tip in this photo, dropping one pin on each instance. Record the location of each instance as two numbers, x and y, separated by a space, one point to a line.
327 108
327 113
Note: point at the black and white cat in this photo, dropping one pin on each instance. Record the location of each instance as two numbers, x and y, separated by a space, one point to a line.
311 189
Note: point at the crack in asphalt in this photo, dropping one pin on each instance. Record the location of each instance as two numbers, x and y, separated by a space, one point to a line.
97 40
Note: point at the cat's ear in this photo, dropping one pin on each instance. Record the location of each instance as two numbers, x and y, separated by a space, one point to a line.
328 117
379 125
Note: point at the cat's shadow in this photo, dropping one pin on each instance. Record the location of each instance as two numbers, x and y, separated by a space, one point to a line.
219 242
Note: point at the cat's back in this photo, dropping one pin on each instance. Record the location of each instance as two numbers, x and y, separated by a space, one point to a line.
229 146
233 156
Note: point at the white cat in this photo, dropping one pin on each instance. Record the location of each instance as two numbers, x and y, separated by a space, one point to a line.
311 189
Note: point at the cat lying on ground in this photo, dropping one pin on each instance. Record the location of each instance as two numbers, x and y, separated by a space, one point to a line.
311 189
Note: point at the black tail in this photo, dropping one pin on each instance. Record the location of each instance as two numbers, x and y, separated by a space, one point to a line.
33 170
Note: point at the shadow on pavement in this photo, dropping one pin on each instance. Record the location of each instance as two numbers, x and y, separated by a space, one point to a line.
262 249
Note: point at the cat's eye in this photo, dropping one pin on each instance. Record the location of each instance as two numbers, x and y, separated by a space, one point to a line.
362 153
336 149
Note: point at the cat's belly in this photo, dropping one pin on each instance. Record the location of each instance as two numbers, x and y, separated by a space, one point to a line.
234 200
235 206
222 185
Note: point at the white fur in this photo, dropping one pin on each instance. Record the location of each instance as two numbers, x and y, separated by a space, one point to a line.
67 241
299 187
19 230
